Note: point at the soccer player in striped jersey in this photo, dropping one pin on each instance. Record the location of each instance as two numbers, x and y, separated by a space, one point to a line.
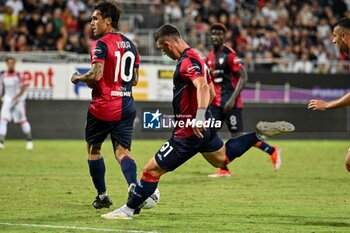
112 111
192 96
229 77
13 103
341 38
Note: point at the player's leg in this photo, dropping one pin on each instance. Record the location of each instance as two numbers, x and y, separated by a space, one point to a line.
19 116
223 171
171 155
347 160
95 133
273 151
236 147
5 117
121 136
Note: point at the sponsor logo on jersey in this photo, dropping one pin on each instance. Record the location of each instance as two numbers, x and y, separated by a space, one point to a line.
194 68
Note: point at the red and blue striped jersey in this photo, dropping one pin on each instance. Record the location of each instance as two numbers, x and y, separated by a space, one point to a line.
112 96
190 66
224 66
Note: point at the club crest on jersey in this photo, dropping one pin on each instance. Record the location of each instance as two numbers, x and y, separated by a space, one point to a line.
221 60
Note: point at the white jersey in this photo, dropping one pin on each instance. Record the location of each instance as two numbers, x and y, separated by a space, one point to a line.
12 84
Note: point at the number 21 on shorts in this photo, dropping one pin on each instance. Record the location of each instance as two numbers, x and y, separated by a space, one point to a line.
165 149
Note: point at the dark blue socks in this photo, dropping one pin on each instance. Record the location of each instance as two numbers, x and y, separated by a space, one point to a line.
97 172
235 147
265 147
129 169
142 191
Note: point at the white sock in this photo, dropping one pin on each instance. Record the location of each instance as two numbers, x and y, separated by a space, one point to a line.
102 195
3 127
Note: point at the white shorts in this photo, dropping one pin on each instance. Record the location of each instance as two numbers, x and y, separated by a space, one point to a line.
13 111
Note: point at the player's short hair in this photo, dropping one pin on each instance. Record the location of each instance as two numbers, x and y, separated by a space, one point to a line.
167 30
218 26
344 23
10 58
108 9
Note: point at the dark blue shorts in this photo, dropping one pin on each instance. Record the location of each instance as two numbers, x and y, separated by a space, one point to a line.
177 151
96 131
233 119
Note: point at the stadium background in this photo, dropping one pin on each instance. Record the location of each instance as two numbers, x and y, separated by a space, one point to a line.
285 45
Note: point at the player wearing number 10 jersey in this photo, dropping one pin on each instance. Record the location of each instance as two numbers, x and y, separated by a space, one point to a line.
112 110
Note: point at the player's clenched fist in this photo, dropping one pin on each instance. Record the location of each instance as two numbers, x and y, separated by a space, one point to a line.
74 79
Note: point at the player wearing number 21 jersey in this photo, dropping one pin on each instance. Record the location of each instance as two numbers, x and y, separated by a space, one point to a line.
114 70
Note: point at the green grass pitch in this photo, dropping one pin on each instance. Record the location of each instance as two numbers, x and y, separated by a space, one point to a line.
49 190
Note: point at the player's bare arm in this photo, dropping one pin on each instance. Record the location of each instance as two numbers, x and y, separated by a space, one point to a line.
93 75
203 98
136 75
241 83
321 105
211 92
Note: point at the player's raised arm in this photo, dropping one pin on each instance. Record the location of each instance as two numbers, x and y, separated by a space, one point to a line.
323 105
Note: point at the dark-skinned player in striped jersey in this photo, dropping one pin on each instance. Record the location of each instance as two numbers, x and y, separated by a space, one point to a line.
229 77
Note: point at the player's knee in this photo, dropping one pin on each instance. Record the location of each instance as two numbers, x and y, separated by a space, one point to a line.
94 151
120 153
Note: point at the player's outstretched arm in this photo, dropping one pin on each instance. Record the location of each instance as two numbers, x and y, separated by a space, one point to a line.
321 105
93 75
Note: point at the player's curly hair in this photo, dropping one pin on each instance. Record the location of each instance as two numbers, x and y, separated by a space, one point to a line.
109 9
218 26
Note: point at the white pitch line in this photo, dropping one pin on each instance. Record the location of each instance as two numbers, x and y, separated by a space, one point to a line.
74 227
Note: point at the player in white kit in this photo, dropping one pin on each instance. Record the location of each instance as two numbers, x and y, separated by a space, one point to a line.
13 103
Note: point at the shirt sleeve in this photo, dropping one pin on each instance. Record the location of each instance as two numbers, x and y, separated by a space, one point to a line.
192 69
99 52
235 62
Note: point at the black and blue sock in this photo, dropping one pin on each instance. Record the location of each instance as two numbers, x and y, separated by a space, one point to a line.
235 147
129 169
265 147
97 172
